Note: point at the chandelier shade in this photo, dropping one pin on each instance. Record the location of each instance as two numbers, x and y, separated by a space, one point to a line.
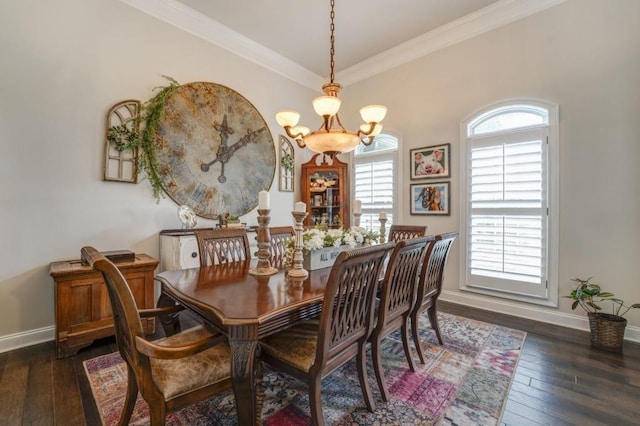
332 138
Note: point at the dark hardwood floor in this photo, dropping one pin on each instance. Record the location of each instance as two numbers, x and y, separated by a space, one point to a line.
560 380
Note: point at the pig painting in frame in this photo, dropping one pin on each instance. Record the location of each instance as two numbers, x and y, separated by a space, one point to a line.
430 162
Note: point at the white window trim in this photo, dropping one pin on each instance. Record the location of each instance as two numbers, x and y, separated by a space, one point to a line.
553 150
396 182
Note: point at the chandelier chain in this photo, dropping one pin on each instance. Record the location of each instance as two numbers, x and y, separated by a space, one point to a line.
332 51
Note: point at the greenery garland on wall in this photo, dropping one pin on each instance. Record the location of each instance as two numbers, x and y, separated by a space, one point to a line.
126 138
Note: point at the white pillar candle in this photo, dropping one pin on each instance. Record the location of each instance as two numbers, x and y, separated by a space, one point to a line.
357 206
383 215
300 207
263 200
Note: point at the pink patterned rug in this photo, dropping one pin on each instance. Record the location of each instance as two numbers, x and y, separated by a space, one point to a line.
464 382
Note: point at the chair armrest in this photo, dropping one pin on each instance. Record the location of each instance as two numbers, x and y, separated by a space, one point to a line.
154 312
153 350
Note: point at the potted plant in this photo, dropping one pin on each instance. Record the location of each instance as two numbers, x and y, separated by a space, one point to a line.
607 329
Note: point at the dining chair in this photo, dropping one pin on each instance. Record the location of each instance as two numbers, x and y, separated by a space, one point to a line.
406 232
170 373
311 353
278 244
225 245
397 298
430 286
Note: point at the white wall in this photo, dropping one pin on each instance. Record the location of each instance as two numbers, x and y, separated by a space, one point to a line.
64 63
583 55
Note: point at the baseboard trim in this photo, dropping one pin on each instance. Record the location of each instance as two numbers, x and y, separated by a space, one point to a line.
27 338
632 333
523 310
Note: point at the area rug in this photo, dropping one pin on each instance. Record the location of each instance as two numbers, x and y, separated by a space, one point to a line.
464 382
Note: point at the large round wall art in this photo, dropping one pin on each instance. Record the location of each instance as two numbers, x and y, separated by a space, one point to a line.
214 150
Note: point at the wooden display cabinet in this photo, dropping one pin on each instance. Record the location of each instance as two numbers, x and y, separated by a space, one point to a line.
83 308
325 191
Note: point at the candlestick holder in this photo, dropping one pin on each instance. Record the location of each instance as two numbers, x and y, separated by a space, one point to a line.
263 238
356 219
297 271
383 230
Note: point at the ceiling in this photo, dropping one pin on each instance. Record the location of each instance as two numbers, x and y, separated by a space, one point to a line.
292 37
300 29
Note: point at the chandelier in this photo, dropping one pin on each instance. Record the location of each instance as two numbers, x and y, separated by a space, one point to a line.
332 138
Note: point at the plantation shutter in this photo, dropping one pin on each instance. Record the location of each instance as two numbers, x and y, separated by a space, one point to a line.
507 222
373 186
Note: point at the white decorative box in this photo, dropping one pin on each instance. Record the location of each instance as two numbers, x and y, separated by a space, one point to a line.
322 258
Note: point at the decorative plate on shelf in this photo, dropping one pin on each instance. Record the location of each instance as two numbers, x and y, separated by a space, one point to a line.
187 216
215 152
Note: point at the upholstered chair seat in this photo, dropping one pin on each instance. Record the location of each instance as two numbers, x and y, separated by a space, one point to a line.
179 376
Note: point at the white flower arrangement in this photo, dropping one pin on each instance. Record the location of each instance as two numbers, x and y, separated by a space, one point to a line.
317 238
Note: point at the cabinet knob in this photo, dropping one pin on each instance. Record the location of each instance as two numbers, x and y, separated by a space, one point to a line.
194 254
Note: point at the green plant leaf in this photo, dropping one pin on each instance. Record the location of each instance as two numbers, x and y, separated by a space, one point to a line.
574 305
594 306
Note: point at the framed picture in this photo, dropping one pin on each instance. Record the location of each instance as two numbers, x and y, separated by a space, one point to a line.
430 162
430 198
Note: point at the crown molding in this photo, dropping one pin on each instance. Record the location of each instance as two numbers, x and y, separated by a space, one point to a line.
493 16
187 19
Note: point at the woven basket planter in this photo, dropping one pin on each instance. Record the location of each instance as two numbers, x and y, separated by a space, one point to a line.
607 331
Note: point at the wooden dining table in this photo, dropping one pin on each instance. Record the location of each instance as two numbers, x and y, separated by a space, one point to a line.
246 308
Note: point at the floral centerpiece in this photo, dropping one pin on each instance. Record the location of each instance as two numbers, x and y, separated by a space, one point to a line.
316 239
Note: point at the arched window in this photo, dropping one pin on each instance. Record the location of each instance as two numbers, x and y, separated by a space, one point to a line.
374 180
509 184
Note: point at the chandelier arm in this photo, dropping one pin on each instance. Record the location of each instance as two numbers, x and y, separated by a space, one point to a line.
327 122
297 136
372 127
340 122
368 141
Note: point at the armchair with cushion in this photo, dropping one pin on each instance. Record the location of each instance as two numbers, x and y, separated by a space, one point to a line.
170 373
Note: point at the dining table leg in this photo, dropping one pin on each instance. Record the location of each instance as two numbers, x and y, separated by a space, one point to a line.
246 374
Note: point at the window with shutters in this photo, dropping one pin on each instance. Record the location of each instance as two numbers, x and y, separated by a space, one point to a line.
374 180
509 185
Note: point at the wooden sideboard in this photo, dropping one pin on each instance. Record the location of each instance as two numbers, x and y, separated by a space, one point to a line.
83 310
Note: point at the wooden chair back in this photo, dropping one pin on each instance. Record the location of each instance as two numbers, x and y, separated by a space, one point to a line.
159 369
430 286
406 232
432 273
397 299
226 245
347 311
277 247
126 319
